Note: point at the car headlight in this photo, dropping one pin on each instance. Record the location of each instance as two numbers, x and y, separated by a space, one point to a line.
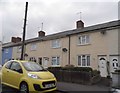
33 76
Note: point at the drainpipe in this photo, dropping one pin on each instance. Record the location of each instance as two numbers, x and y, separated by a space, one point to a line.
69 51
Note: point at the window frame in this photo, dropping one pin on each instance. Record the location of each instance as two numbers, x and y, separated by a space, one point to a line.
55 43
83 39
56 59
86 60
19 49
33 46
7 50
10 63
14 69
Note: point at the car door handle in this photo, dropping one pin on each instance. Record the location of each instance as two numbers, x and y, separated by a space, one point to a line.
7 71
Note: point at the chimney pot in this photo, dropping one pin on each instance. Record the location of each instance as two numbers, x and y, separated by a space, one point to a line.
80 24
41 33
18 39
13 39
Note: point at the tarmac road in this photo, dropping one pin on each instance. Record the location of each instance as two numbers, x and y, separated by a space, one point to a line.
6 89
67 88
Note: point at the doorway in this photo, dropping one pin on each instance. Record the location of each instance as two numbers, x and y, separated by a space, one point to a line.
103 66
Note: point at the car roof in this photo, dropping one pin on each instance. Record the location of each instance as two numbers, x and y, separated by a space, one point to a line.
20 60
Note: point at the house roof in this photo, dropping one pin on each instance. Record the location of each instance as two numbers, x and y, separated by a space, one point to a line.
98 27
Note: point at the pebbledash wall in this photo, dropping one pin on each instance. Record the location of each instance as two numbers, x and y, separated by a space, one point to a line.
94 46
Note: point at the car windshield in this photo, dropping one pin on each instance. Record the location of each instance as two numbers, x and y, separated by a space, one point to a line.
32 66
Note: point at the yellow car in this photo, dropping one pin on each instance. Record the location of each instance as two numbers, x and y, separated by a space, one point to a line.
28 77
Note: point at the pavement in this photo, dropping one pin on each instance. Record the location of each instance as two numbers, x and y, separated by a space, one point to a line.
65 87
72 88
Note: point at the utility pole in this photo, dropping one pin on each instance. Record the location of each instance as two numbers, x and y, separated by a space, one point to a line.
24 31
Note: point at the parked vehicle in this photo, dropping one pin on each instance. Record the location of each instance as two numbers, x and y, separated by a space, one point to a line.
0 67
27 76
115 90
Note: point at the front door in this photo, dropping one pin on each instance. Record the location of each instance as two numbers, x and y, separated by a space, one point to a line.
40 60
45 62
103 66
114 63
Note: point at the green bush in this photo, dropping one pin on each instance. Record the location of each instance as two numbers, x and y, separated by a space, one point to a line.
72 68
86 69
54 68
95 72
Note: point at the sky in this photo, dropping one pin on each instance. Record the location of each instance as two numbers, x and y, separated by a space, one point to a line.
56 16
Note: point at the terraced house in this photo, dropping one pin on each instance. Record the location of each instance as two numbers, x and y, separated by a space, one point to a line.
0 52
94 46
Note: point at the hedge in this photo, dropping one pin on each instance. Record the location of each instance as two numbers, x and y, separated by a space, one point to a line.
85 69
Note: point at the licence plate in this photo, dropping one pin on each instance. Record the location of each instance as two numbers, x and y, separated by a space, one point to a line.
49 85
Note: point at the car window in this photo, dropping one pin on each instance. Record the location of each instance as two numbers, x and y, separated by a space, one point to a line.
8 65
32 66
15 67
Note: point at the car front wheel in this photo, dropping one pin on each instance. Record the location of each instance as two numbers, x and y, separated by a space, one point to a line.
24 88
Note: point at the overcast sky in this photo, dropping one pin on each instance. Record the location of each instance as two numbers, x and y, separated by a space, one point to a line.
56 15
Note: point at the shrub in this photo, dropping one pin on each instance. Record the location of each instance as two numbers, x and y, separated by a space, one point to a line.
69 66
86 69
72 68
54 68
95 72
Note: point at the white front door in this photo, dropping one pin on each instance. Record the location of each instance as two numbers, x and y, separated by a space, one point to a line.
45 63
114 63
103 66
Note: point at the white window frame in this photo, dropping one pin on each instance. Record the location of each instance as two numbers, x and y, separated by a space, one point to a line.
33 59
19 48
83 39
56 43
6 50
86 60
33 46
56 59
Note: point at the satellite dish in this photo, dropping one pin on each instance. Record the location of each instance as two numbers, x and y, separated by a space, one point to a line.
64 50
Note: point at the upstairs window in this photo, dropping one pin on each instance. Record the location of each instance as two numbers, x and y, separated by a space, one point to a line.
33 46
83 39
56 43
84 60
6 50
19 49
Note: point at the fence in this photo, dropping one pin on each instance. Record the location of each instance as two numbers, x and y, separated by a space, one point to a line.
72 76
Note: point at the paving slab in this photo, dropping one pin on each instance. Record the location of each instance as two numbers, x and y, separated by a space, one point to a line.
65 87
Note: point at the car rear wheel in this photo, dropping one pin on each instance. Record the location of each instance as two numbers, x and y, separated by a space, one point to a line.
24 88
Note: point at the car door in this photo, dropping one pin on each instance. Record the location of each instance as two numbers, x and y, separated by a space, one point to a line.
5 72
15 74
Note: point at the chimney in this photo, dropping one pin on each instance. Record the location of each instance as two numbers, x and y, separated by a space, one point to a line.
41 33
18 39
79 24
15 39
